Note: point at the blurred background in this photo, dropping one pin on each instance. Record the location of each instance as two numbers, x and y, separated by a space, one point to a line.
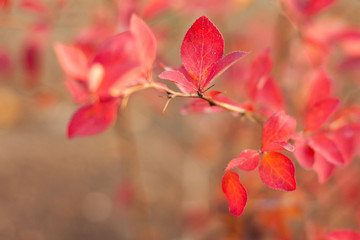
152 175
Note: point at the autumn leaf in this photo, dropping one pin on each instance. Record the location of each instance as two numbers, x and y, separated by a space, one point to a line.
277 171
320 89
322 167
276 132
327 148
343 234
304 154
248 160
235 192
93 118
319 113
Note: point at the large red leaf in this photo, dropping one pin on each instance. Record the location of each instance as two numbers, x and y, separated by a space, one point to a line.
248 160
319 113
72 61
203 46
277 171
343 234
145 41
235 192
322 167
94 118
327 148
276 132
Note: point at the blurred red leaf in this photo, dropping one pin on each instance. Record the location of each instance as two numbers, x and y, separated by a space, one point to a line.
304 154
35 6
322 167
6 67
270 95
248 160
343 234
32 62
72 61
320 88
203 46
93 118
346 139
5 4
323 145
235 192
313 7
277 171
145 42
179 79
276 132
319 113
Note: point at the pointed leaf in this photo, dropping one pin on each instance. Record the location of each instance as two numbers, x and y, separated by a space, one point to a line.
304 154
277 171
72 61
319 113
220 66
323 168
93 119
277 130
343 234
145 41
203 46
269 94
327 148
248 160
320 89
235 192
180 80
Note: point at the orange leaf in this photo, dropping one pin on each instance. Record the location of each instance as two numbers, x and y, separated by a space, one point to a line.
235 192
277 171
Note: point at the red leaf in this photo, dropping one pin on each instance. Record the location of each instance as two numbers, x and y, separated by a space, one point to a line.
346 139
269 94
5 4
223 64
304 154
327 148
94 118
322 167
277 171
312 7
248 160
343 234
72 61
180 80
202 47
145 41
319 113
320 89
277 130
34 6
235 192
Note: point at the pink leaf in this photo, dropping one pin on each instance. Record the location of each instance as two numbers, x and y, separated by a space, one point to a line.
319 113
248 160
327 148
94 118
320 89
276 130
343 234
235 192
180 80
323 168
277 171
202 47
145 41
72 61
220 66
304 154
269 94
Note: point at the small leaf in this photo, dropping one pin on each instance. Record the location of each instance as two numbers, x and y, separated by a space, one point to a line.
277 171
277 130
304 154
327 148
235 192
269 94
180 80
220 66
248 160
343 234
94 118
319 113
320 88
322 167
203 46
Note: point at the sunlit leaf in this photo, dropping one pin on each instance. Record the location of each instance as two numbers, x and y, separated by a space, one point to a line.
235 192
248 160
319 113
